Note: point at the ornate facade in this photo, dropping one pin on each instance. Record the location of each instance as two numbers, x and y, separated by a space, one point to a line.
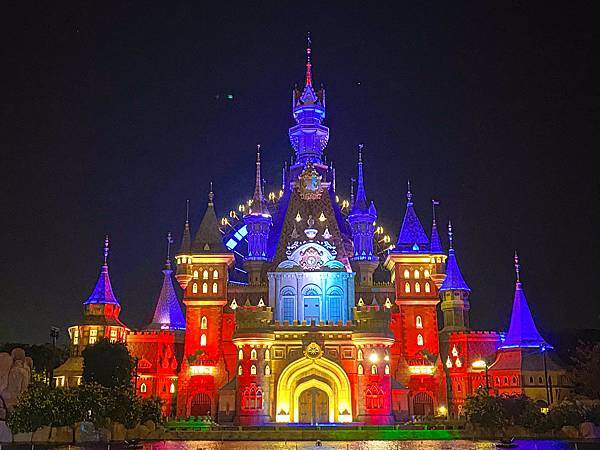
299 311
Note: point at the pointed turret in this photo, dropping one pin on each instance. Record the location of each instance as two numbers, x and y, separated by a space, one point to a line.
412 237
167 313
103 293
186 239
360 204
454 293
309 137
208 237
259 204
522 332
436 243
454 279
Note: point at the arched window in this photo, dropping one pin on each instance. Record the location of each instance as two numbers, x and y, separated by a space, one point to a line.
360 355
419 339
267 355
311 295
253 354
360 369
426 273
267 370
215 274
205 274
407 288
417 274
194 288
374 397
240 354
418 322
204 323
417 288
252 398
143 387
204 288
458 387
172 388
427 287
195 274
373 369
406 273
514 380
335 304
253 369
530 380
215 288
288 298
203 340
540 380
505 380
387 369
240 370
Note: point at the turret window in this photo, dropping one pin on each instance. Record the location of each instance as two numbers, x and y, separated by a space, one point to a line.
427 287
194 288
253 354
417 288
253 369
426 273
93 336
195 274
417 275
374 397
240 370
373 369
360 369
267 355
143 388
76 336
113 336
267 370
418 322
240 354
252 398
204 288
215 288
407 288
406 274
215 274
204 323
172 388
420 339
205 274
360 355
203 340
387 369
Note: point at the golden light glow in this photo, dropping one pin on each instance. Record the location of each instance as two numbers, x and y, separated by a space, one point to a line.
374 358
201 370
479 364
421 370
442 411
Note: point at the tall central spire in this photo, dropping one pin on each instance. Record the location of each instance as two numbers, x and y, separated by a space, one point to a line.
259 205
308 137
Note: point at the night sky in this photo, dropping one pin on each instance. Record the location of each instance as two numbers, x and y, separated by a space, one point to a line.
112 115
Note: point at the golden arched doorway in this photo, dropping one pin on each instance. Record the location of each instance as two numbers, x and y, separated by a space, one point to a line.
313 406
306 374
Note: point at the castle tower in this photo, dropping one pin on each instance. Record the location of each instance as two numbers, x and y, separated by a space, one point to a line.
454 294
204 371
361 219
258 222
308 137
416 347
437 250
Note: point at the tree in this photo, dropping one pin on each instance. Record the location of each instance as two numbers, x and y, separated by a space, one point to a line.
586 369
108 364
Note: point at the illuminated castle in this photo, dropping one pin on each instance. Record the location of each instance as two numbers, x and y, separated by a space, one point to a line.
300 311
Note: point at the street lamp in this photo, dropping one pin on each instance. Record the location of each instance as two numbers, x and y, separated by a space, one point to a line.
482 364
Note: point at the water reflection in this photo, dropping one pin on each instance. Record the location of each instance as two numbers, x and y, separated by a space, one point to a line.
353 445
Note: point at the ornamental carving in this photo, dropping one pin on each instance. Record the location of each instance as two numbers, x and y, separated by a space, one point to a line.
309 184
313 351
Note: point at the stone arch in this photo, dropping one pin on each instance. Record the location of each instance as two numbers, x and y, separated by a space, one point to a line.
305 373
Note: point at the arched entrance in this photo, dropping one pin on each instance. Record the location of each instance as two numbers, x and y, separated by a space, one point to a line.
313 406
311 390
422 404
201 405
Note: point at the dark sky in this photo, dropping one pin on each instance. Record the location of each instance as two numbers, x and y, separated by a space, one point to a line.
114 113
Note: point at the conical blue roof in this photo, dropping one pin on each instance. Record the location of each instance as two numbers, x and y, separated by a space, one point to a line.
436 243
412 236
454 279
522 332
361 205
102 292
167 314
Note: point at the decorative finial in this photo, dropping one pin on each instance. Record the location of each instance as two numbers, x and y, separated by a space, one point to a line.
434 203
169 242
308 66
211 194
257 153
409 193
187 211
106 250
360 149
352 181
450 234
517 267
